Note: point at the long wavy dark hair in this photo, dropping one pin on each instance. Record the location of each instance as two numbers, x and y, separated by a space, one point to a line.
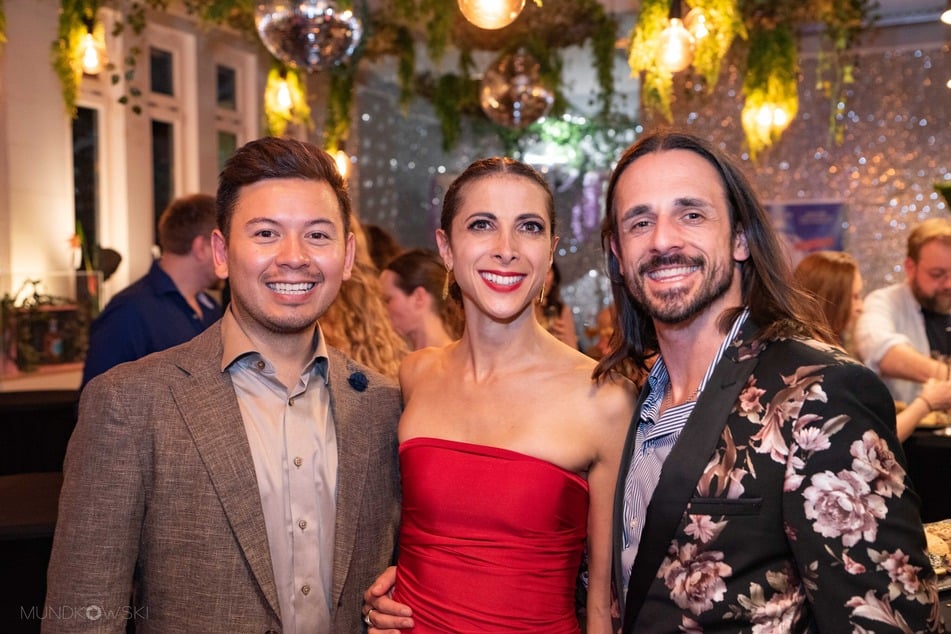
776 303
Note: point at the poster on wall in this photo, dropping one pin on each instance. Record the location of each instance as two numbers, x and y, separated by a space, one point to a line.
807 226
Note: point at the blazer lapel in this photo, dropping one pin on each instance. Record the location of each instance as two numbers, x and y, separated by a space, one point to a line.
351 410
209 407
681 472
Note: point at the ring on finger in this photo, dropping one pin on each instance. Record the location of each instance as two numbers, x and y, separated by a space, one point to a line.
367 619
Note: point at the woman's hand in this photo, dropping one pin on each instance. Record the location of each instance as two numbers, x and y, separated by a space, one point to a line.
382 614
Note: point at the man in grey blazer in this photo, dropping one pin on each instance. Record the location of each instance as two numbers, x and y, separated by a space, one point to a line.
245 481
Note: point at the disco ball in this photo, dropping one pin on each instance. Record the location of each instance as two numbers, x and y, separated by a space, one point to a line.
310 34
512 94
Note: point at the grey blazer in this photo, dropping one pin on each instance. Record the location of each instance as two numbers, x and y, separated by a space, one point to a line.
160 494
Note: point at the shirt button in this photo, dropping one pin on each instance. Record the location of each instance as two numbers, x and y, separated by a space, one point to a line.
298 461
260 364
302 524
290 402
305 590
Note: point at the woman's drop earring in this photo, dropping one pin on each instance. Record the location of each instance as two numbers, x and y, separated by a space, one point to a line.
445 285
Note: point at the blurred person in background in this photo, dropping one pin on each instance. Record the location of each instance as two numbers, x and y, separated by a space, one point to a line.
601 336
834 279
381 244
170 304
413 293
357 322
904 332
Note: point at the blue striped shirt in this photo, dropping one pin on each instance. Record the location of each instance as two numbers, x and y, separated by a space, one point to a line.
656 435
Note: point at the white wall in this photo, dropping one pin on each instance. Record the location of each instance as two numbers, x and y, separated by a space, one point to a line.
36 171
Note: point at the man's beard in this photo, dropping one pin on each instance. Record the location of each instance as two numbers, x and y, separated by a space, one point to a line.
940 302
675 306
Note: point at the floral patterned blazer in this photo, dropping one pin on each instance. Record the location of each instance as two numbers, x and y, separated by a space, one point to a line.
783 506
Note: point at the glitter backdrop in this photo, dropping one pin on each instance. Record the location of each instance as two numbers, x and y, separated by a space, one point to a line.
896 145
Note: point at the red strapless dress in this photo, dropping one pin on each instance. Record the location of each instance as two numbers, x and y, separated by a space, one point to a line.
490 541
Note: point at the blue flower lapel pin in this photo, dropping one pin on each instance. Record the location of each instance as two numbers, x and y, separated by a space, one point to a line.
358 381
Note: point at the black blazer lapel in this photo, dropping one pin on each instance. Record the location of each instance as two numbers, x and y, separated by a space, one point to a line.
680 474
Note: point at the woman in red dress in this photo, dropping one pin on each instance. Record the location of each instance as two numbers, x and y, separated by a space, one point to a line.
509 451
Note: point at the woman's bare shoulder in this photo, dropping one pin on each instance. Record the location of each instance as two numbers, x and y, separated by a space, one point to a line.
612 393
419 364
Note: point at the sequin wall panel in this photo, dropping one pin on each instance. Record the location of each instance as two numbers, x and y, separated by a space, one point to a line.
896 144
897 135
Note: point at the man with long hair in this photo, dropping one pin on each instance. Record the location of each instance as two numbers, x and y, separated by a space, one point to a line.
763 485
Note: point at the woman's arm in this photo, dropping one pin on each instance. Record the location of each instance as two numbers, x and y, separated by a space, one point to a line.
934 396
616 407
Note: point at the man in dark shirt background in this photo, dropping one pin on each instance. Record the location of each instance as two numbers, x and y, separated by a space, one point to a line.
169 305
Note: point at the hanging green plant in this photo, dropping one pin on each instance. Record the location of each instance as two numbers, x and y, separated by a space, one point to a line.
777 23
74 16
845 21
770 86
3 24
339 103
544 30
656 82
723 23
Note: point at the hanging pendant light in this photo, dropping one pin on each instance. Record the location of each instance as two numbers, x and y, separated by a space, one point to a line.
491 14
675 47
512 94
675 44
92 49
308 34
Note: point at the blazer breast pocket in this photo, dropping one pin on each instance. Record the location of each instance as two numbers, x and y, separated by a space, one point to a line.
724 506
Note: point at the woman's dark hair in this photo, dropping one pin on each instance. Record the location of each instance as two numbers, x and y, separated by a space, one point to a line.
776 303
553 293
490 167
273 157
423 268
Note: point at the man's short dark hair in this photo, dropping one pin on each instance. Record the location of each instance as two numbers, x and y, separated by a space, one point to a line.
273 157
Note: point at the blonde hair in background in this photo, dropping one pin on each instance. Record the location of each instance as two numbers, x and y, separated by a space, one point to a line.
357 322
